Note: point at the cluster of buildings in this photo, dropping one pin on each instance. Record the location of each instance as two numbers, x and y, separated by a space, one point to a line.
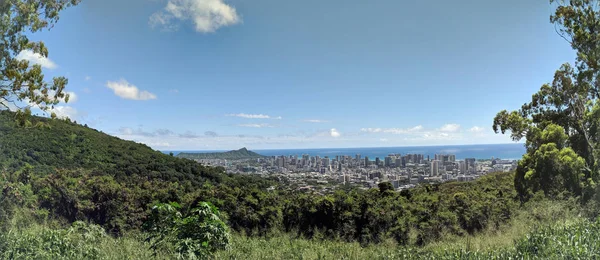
403 171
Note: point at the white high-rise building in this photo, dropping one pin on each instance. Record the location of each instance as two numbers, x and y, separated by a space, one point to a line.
435 168
462 166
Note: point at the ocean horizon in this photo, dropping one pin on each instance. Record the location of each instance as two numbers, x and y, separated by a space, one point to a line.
512 151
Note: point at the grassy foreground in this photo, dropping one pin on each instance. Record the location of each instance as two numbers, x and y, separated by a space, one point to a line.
547 230
579 240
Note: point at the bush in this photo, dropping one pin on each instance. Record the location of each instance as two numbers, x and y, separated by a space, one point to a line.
199 234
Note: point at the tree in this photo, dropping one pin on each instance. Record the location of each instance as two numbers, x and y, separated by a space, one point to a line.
385 187
21 82
561 123
198 234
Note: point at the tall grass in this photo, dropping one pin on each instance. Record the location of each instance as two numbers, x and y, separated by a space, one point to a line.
580 240
547 230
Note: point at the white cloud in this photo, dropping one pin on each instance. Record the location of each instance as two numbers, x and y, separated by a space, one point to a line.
476 129
174 90
253 116
87 78
158 144
393 130
452 128
64 112
206 15
315 121
123 89
385 140
256 125
87 90
334 133
36 58
448 132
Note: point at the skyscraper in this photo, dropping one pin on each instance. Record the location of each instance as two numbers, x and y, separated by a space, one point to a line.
388 161
435 168
462 167
470 165
452 158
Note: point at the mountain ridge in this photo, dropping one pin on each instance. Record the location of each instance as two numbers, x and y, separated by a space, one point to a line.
239 154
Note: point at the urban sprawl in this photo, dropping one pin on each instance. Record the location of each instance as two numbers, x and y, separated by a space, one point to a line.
324 174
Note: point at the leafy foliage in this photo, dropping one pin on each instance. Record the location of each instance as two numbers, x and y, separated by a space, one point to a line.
197 235
19 80
561 123
77 242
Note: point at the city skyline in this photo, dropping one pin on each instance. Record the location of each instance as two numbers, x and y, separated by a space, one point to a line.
220 75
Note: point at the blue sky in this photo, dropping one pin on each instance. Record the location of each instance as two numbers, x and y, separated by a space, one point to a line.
223 74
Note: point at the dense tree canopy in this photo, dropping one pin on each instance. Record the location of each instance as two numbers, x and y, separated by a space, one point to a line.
561 123
21 81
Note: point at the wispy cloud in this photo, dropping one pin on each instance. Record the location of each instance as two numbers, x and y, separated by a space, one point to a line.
253 116
393 130
452 128
206 15
256 125
140 132
36 58
125 90
315 121
476 129
211 133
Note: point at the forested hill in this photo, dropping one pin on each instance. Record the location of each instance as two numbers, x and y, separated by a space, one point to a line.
67 145
231 155
79 173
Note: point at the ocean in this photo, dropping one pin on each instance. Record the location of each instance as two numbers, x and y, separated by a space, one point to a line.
513 151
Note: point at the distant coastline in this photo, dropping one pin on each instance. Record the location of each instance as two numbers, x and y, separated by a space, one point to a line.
511 151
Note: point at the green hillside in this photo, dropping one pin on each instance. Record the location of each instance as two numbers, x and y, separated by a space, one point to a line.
67 145
78 173
230 155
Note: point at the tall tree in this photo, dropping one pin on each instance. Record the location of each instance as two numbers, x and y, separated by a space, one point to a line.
561 123
20 81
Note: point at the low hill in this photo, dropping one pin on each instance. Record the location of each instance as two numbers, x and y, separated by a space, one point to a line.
231 155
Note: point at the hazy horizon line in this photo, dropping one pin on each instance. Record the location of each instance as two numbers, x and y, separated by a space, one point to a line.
274 149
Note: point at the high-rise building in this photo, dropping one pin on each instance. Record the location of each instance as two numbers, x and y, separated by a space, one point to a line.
377 161
462 166
398 162
452 158
388 161
366 161
326 161
470 165
435 168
